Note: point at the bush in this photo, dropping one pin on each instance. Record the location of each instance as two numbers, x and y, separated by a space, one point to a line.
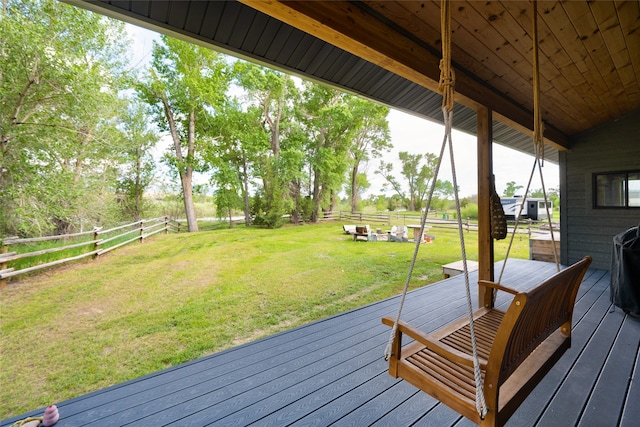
470 211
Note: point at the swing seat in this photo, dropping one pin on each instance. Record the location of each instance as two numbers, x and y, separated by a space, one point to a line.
516 348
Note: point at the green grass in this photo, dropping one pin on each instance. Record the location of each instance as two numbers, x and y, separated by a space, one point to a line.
177 297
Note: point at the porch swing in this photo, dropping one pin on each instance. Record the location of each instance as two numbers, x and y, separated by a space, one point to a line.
483 366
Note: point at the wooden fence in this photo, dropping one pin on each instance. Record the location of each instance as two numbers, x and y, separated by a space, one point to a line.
434 219
89 243
396 218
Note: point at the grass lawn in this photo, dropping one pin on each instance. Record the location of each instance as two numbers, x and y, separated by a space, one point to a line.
174 298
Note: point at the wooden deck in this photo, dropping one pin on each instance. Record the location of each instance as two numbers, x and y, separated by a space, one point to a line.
333 372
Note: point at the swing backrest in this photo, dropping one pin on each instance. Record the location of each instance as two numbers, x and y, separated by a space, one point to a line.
534 316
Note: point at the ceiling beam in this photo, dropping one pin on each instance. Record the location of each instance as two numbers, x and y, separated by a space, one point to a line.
352 29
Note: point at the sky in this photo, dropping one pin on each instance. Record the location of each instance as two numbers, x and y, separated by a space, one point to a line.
418 136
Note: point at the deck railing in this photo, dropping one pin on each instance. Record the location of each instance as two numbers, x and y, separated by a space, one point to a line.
72 247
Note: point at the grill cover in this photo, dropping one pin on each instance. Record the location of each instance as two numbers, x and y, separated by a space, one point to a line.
625 271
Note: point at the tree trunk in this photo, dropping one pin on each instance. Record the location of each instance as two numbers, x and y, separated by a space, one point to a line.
295 195
245 190
189 207
186 171
354 189
316 195
230 213
138 186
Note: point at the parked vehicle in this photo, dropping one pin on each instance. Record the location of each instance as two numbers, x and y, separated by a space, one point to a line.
532 208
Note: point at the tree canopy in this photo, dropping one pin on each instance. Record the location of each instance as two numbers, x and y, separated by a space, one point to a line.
60 79
79 129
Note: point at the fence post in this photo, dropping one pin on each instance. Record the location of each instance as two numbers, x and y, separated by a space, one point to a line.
166 225
141 225
529 227
96 245
468 224
3 265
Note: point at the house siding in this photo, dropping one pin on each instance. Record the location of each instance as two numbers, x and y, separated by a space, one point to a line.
612 147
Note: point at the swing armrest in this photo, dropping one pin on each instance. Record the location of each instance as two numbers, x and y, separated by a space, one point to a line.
497 286
434 345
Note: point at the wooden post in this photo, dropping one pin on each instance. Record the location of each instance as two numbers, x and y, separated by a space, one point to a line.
3 265
96 245
485 187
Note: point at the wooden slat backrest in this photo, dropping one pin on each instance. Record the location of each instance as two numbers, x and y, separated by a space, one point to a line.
532 317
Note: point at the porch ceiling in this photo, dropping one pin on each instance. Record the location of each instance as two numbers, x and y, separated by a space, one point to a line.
389 51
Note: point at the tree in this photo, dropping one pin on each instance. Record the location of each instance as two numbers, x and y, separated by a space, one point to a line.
274 94
241 141
328 123
60 73
361 185
511 189
418 176
371 138
138 170
186 87
443 191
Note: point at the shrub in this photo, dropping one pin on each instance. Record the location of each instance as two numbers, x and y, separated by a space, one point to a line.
470 211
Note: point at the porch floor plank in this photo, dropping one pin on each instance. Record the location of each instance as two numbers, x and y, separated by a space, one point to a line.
332 371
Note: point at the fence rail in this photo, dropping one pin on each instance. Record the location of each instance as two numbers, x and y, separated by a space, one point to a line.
434 219
97 245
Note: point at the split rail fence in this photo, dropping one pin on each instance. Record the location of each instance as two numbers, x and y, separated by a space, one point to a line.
81 245
434 219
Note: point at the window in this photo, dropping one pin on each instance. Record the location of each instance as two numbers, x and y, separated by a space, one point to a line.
616 190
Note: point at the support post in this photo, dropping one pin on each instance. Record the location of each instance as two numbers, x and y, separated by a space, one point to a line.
485 187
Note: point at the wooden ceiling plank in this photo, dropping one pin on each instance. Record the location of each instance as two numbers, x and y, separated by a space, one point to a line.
555 17
606 17
477 34
483 39
420 18
567 36
502 60
629 16
613 33
348 27
583 20
408 15
559 96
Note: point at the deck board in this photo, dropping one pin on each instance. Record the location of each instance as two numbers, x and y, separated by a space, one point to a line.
332 371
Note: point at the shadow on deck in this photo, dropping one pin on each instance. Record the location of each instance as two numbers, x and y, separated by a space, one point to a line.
333 372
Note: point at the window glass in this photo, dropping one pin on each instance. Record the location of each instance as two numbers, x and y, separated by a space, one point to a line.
610 190
634 189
